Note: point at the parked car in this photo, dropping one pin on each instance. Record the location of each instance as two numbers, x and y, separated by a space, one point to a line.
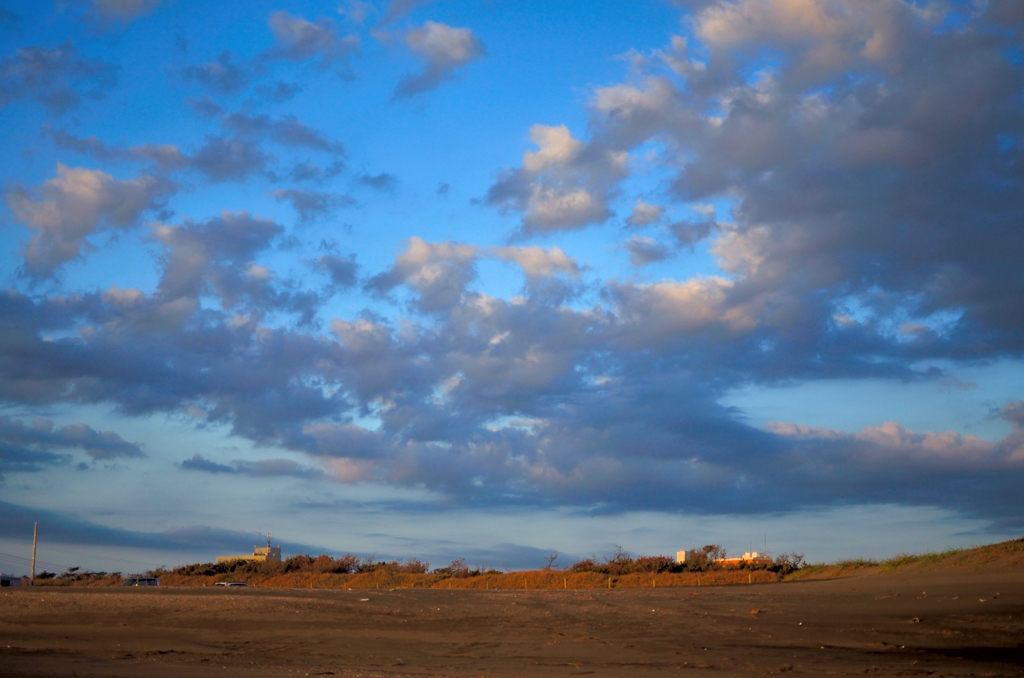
232 583
141 581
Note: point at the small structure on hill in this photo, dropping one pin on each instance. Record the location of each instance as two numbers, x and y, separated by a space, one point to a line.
7 580
260 554
685 556
749 558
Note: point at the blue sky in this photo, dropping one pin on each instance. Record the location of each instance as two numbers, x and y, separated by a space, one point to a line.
443 279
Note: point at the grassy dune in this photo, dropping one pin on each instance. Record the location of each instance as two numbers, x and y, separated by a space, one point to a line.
1002 554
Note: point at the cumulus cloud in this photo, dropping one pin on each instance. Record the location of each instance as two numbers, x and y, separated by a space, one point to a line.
218 256
538 262
438 272
645 214
75 204
799 143
342 270
41 435
644 251
564 184
287 130
224 159
865 161
442 49
381 182
222 75
312 205
166 157
299 39
57 78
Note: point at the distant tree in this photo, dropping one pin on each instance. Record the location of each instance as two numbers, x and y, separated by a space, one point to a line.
415 566
586 565
550 560
789 562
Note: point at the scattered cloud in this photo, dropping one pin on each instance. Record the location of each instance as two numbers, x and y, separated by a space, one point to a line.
166 157
442 49
438 272
264 468
222 75
342 270
538 262
644 251
357 11
223 159
123 11
58 78
31 444
67 528
300 40
864 165
279 91
565 184
75 204
645 214
399 8
287 130
381 182
312 205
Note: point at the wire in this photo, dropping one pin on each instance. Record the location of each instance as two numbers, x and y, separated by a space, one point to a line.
98 557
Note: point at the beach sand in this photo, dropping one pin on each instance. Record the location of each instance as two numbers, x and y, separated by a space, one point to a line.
947 622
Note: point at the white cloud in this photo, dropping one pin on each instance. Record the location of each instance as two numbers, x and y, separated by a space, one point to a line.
299 39
442 49
439 272
645 214
537 261
565 184
75 204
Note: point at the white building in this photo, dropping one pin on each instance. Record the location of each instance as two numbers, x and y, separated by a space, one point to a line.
684 556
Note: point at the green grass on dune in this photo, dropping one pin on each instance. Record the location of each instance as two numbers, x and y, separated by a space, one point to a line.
956 557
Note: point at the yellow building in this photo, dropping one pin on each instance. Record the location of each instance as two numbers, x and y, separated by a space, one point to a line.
260 554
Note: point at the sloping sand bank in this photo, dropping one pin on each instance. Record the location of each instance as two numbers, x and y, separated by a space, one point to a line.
914 621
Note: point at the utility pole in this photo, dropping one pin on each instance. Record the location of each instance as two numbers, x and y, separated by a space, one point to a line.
35 538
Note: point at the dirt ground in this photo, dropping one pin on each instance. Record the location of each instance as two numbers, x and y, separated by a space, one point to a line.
942 623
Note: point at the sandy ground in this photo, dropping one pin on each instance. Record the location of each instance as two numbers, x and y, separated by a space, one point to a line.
947 623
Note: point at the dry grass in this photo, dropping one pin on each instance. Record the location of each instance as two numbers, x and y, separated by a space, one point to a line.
1011 553
530 579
